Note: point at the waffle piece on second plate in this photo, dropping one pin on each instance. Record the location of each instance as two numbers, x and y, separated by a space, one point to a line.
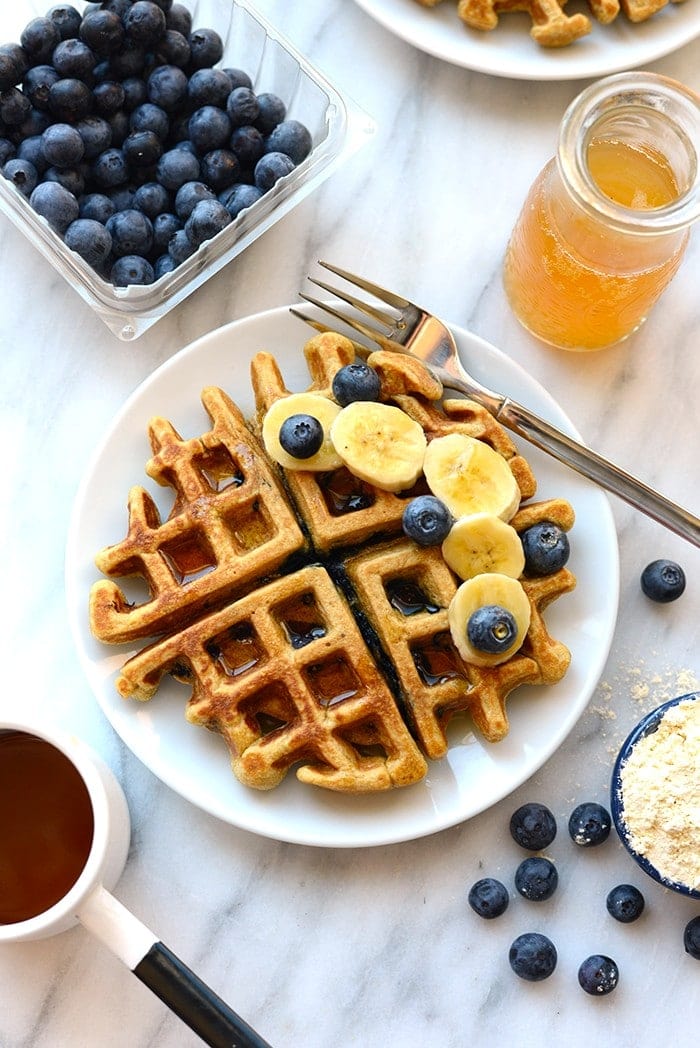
286 678
229 526
550 26
405 592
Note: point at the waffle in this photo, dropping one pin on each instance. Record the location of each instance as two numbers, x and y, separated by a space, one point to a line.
320 645
551 27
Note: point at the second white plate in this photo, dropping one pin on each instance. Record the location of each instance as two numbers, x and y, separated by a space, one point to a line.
509 51
194 762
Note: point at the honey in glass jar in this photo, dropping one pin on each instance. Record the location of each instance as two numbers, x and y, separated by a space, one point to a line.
605 225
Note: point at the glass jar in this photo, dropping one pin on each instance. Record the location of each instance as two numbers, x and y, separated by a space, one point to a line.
606 223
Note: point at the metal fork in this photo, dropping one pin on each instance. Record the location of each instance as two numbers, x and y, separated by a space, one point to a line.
415 331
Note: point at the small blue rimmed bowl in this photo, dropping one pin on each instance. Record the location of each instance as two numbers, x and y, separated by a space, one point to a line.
649 724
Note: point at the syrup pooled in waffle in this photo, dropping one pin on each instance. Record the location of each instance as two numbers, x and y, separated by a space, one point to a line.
229 526
330 656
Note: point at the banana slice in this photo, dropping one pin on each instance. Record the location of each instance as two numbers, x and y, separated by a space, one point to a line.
481 543
380 444
480 592
470 477
318 407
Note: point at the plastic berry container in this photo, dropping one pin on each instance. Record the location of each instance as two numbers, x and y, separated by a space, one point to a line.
668 786
338 128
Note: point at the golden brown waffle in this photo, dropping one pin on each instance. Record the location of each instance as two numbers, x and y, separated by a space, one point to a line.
286 678
229 526
406 591
337 663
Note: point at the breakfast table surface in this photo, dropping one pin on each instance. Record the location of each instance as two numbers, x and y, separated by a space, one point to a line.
366 946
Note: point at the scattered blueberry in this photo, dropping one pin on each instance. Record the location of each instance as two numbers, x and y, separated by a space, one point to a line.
533 826
691 938
488 898
426 520
663 581
546 548
589 825
598 975
536 878
301 436
492 629
625 903
533 956
356 381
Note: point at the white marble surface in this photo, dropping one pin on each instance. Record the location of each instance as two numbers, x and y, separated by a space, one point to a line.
361 948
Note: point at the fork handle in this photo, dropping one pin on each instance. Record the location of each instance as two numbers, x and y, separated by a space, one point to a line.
548 438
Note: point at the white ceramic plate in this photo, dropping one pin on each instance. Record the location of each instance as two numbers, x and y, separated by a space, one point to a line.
509 50
195 762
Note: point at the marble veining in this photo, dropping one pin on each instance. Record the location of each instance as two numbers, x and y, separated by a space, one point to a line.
333 948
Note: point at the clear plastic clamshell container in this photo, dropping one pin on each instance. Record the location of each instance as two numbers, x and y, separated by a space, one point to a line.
338 128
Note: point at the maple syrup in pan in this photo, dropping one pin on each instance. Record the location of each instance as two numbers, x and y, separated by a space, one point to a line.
46 826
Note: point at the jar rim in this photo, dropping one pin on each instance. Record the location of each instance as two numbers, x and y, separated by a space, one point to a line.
642 91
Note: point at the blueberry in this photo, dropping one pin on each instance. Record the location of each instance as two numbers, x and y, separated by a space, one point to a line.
356 381
164 264
207 218
69 99
270 168
13 65
22 174
209 128
546 548
35 124
663 581
691 938
220 169
176 168
15 107
179 19
8 152
292 138
152 199
122 197
488 898
242 106
589 825
188 195
97 206
149 117
625 903
110 169
492 629
144 23
102 31
533 826
119 127
536 878
598 975
131 269
206 48
66 19
39 38
62 145
208 87
167 87
180 247
533 956
37 84
301 436
96 134
239 197
271 112
74 58
55 204
142 148
131 231
164 226
248 145
108 97
71 178
426 520
135 92
173 49
30 149
238 78
90 240
128 61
